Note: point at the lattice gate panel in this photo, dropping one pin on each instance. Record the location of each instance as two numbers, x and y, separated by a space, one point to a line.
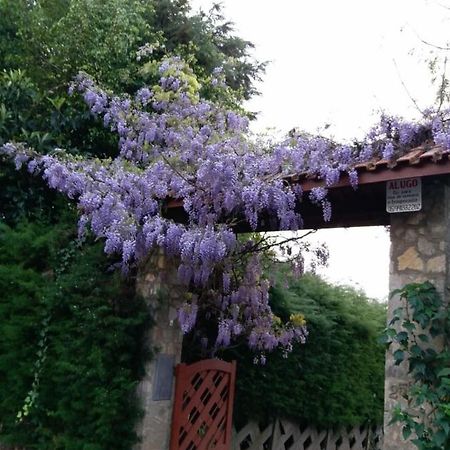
286 435
203 406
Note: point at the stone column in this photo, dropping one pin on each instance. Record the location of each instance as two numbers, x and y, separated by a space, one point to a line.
157 283
420 248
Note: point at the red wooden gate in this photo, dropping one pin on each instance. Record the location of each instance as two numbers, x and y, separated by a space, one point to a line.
203 406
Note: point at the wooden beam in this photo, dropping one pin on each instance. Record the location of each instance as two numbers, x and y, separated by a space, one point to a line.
364 206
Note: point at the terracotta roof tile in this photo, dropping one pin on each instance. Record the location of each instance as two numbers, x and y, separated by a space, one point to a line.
425 160
435 154
423 154
412 157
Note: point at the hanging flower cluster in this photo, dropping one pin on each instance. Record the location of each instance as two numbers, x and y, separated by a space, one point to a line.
174 145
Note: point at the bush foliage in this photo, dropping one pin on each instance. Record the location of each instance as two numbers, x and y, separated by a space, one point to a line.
71 343
336 378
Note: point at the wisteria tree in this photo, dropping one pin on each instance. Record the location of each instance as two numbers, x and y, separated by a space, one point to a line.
175 146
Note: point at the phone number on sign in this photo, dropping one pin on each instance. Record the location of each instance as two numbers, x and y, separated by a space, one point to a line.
404 208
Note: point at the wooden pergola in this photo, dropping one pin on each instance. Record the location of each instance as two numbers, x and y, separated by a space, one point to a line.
365 205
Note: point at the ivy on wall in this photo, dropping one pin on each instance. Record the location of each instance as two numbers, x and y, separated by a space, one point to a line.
420 330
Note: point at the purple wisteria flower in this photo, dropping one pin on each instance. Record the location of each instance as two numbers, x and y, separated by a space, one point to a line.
174 145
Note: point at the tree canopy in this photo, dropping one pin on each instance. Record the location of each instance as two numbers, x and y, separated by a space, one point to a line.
155 116
55 39
44 44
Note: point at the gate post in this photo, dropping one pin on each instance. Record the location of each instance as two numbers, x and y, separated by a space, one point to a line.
158 284
420 247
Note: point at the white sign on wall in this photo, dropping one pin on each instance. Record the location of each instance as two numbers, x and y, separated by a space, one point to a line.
404 195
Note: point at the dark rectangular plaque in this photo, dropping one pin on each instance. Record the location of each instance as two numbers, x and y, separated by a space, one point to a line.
162 385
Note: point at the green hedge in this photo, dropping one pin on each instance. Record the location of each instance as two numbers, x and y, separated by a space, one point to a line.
336 378
67 320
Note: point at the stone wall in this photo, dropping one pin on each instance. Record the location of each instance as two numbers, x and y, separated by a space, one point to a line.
157 282
420 248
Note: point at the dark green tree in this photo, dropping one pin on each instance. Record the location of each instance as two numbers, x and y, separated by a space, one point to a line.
44 44
71 343
54 39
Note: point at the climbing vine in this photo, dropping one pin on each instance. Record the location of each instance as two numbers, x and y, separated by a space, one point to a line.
419 331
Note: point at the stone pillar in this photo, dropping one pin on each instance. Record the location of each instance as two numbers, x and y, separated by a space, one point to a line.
157 283
420 248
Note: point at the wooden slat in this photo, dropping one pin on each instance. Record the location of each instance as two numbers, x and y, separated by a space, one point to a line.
286 434
218 377
204 417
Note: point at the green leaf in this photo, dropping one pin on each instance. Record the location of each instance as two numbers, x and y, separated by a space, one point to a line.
402 337
399 356
406 432
444 373
446 427
384 339
408 325
439 438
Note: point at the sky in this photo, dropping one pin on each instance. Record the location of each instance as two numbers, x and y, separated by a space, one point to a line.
333 66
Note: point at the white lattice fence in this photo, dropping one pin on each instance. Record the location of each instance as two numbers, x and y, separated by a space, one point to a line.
285 435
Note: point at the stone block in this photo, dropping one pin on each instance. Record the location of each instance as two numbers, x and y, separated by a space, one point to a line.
436 264
399 232
408 237
410 259
437 230
415 218
426 247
